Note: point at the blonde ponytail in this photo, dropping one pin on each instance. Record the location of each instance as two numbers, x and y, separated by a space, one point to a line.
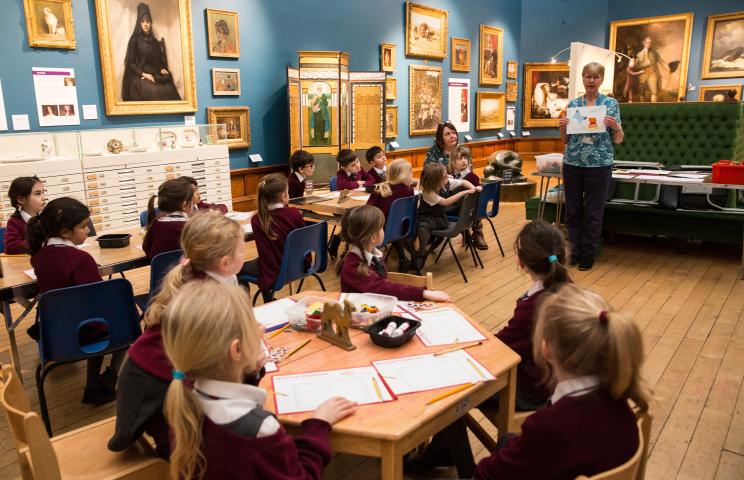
185 419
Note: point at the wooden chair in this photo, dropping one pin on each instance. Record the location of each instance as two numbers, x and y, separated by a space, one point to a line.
80 454
424 281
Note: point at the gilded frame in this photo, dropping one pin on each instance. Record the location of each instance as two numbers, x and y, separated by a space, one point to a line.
511 69
455 64
703 89
243 114
420 122
391 131
225 92
387 47
391 88
436 52
512 91
37 38
529 119
684 59
500 115
112 91
488 73
706 71
230 50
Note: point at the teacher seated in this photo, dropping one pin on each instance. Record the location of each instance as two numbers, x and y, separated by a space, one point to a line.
587 170
445 144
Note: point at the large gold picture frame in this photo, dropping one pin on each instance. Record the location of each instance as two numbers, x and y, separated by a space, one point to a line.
491 55
125 89
50 23
223 33
426 31
234 125
490 110
718 93
391 121
460 58
660 47
545 93
723 42
424 99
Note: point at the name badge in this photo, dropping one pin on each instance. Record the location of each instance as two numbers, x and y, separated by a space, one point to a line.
587 140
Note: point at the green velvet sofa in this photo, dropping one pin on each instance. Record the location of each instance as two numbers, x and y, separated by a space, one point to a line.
673 134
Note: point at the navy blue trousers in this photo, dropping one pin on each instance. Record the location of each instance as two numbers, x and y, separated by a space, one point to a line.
586 191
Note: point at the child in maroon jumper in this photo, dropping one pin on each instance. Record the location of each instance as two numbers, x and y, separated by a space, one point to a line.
271 225
213 249
350 175
360 267
175 202
220 427
26 195
303 166
377 162
53 237
460 167
198 203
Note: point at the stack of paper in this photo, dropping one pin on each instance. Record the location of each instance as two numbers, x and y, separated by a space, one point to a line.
273 315
444 326
239 216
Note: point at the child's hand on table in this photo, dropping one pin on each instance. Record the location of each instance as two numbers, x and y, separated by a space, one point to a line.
334 409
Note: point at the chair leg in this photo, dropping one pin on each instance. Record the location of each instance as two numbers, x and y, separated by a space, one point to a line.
255 297
322 286
470 246
328 245
457 261
299 287
496 235
40 377
436 260
480 433
476 255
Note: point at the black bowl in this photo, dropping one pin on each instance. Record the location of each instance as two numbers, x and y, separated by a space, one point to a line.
114 240
391 342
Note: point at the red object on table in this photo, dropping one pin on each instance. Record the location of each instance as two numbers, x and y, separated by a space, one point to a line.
726 171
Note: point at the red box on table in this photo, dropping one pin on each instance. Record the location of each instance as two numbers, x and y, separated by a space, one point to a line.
726 171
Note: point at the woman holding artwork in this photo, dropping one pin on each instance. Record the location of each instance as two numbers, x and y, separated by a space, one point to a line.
146 75
446 142
587 170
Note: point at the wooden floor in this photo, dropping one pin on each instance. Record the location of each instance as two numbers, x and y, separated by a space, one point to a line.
689 304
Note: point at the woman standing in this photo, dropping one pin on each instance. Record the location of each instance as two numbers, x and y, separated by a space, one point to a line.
446 142
587 170
146 75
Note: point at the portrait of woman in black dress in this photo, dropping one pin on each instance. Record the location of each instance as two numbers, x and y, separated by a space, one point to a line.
146 75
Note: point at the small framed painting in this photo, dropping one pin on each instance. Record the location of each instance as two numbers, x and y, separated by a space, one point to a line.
426 31
233 125
226 81
391 88
387 57
511 69
460 54
511 91
491 55
49 23
391 121
723 56
223 36
490 110
720 93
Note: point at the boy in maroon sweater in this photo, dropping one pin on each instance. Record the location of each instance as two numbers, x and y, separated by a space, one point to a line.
26 195
303 166
377 162
350 175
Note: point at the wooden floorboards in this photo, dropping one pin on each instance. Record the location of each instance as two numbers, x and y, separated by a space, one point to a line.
689 304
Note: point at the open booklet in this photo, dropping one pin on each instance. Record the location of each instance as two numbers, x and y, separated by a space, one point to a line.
444 326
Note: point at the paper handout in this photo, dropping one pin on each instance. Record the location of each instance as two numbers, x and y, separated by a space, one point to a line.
586 119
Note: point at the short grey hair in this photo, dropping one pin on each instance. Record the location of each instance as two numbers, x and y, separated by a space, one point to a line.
593 68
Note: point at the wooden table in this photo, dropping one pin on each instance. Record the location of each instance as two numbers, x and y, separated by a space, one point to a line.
391 429
331 207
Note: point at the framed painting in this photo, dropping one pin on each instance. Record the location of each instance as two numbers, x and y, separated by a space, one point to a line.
424 99
720 93
387 57
49 23
511 69
512 89
545 93
426 31
147 58
223 34
656 54
391 88
723 56
233 125
460 60
391 121
491 55
490 110
226 81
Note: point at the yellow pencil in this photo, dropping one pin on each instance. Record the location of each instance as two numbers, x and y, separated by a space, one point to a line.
454 349
449 393
274 334
296 349
377 388
9 255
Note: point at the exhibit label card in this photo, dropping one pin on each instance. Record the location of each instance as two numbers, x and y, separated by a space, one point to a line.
459 103
56 96
586 119
20 122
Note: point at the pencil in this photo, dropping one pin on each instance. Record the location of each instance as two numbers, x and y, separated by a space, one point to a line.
296 349
449 393
377 388
274 334
454 349
476 368
268 390
9 255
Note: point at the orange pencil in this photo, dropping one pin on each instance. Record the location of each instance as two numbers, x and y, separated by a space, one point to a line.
449 393
274 334
296 349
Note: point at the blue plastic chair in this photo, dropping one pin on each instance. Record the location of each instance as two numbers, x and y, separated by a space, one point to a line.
299 244
160 265
2 239
401 220
491 193
143 217
333 184
63 312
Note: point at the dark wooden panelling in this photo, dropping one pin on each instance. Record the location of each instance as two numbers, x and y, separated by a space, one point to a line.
244 184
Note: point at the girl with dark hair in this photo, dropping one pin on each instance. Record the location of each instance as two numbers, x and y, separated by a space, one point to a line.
146 75
175 203
53 237
26 195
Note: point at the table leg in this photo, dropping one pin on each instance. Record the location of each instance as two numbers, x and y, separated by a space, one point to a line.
392 462
559 204
507 404
741 273
543 198
15 358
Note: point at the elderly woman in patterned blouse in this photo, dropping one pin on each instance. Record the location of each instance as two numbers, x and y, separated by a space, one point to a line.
587 170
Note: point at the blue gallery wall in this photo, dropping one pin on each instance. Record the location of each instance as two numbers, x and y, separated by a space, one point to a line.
271 33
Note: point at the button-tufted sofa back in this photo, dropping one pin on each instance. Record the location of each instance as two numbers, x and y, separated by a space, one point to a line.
697 133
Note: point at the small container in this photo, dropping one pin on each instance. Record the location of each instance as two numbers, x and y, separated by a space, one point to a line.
309 186
114 240
726 171
383 303
298 317
391 342
549 163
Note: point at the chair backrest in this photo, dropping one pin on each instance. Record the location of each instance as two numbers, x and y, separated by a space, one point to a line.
490 193
28 430
401 220
467 215
422 281
143 216
633 469
299 244
2 239
161 264
333 184
64 312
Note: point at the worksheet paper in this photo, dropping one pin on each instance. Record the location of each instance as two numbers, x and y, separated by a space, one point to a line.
586 119
428 372
304 392
273 315
239 216
445 326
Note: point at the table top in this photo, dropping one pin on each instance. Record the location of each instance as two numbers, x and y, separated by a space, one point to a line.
390 420
656 180
332 206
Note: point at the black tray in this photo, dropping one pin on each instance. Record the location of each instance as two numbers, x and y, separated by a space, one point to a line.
114 240
391 342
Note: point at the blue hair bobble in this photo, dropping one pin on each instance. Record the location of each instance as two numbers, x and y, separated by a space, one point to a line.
552 258
179 375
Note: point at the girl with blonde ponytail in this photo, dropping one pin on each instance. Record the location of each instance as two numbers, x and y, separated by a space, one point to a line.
593 356
213 249
220 428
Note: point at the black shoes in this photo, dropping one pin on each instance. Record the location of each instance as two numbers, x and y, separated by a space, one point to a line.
98 395
586 264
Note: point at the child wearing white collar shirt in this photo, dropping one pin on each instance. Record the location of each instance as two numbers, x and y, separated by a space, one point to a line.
377 161
26 195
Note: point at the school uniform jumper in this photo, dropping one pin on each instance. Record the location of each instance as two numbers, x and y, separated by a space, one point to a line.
376 280
15 233
296 182
211 206
270 252
348 181
60 264
164 234
384 203
375 175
